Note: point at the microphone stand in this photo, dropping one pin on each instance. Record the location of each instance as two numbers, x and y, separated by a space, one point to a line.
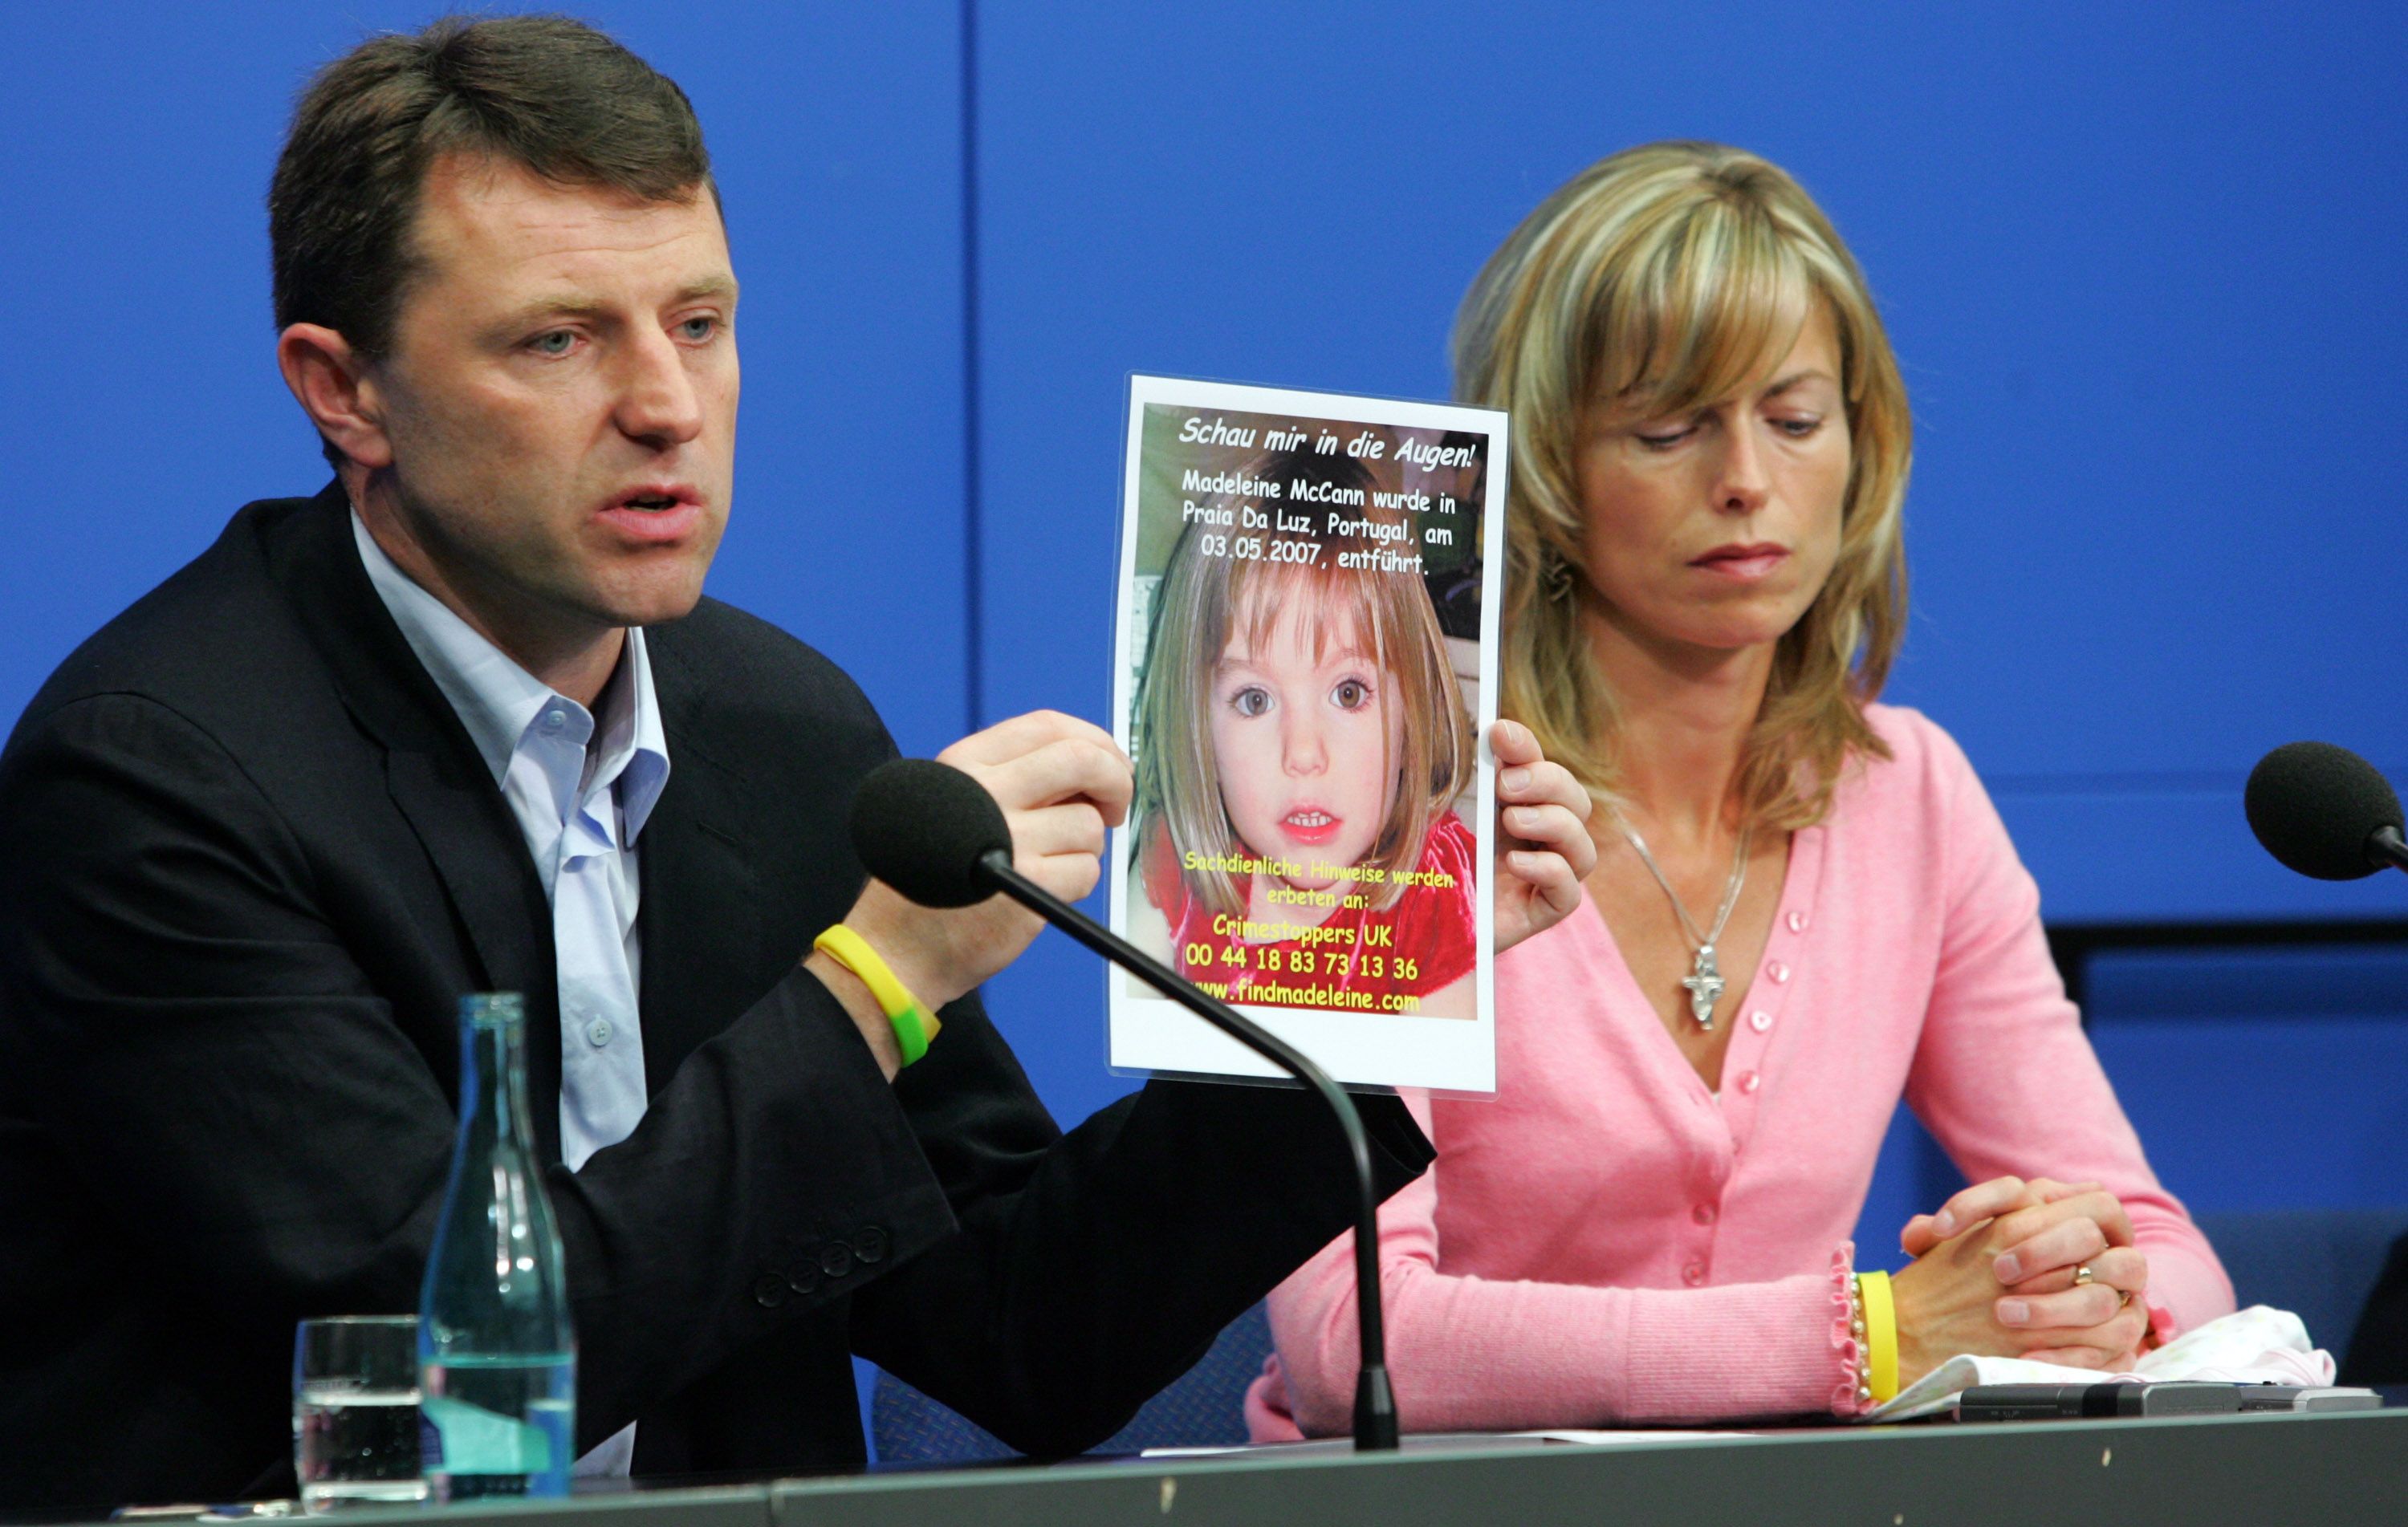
1375 1403
2385 846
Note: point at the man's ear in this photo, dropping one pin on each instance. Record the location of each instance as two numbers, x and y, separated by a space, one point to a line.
331 382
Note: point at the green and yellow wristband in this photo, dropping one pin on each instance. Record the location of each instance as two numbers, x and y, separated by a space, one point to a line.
914 1025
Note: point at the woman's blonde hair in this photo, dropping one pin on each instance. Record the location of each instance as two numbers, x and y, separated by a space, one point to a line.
1206 597
1657 281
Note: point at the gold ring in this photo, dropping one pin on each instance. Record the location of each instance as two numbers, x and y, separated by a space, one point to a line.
2082 1275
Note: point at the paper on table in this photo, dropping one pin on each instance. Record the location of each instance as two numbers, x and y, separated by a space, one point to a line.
2259 1345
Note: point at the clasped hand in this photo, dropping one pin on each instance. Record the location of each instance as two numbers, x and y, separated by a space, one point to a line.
1997 1273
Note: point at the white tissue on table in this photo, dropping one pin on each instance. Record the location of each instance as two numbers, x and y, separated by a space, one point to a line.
2259 1345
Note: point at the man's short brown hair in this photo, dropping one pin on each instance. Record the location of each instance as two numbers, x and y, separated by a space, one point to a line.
545 91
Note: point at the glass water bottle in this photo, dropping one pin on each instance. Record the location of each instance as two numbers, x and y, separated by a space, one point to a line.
496 1351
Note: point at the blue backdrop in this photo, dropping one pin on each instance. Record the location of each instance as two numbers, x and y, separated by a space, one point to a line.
2147 280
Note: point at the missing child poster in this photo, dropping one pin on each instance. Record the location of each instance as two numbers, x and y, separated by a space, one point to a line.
1306 674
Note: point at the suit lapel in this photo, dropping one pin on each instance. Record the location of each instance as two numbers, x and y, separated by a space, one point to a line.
700 918
438 782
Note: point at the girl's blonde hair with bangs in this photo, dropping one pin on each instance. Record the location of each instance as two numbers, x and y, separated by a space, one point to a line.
1656 281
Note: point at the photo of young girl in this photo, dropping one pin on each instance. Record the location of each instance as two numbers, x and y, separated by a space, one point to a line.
1304 757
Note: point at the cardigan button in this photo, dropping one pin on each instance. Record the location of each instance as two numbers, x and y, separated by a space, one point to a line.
1797 922
1694 1273
1760 1021
1703 1214
1749 1081
1779 971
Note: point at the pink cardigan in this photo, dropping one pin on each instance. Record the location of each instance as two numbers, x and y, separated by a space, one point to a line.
1608 1240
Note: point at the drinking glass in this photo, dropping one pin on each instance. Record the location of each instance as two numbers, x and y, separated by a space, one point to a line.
355 1411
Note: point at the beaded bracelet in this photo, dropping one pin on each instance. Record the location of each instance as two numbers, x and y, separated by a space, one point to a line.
1864 1357
1849 1396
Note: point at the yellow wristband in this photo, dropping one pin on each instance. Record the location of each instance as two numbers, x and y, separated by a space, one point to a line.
914 1025
1881 1335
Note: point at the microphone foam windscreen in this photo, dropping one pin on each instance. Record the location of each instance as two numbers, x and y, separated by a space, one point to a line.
922 827
2314 806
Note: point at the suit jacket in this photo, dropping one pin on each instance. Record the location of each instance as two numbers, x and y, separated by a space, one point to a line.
249 862
2378 1350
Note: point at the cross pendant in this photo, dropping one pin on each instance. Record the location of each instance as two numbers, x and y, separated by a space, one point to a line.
1705 984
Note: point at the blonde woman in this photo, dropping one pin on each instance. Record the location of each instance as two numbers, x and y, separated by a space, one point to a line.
1804 906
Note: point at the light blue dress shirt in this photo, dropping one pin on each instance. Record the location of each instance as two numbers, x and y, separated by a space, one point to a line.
581 786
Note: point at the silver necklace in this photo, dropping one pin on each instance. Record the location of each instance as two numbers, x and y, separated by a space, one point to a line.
1705 978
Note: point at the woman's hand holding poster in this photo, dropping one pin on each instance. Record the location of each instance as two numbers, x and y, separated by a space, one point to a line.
1307 637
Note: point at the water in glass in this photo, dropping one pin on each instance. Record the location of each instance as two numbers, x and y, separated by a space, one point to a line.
355 1420
353 1447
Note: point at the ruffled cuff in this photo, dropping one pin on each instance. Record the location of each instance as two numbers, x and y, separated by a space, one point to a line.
1849 1396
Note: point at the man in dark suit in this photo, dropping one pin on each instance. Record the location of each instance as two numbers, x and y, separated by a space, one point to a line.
253 853
260 833
252 861
2378 1347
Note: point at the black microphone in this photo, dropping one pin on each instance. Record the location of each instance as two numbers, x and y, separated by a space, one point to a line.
2325 811
935 834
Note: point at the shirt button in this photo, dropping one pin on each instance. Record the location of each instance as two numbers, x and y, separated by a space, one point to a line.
553 720
1797 922
1694 1273
599 1032
1759 1021
1749 1081
1780 972
1703 1214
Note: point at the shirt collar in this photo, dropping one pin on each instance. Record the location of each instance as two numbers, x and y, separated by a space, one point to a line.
498 701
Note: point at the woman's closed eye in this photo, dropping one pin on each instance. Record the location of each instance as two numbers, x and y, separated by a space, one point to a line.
1667 436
